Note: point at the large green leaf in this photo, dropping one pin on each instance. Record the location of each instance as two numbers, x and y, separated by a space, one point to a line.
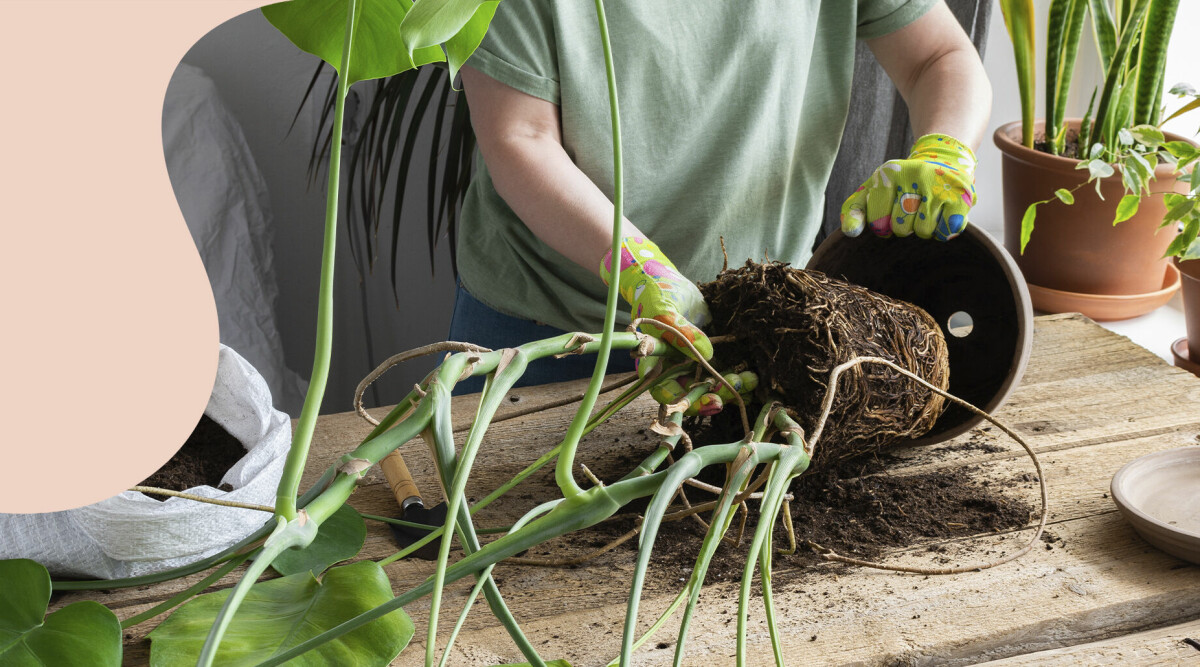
460 47
432 22
319 27
340 538
81 633
281 613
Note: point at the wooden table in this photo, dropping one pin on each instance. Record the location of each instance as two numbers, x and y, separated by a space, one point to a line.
1090 401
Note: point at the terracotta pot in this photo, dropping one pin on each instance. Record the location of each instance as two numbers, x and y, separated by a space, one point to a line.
1076 248
970 279
1190 272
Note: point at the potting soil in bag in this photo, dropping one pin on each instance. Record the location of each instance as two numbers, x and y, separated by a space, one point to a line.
132 534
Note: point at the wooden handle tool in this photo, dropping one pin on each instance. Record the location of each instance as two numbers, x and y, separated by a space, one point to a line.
400 480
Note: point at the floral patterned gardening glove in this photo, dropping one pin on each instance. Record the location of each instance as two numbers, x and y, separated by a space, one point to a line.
655 289
930 193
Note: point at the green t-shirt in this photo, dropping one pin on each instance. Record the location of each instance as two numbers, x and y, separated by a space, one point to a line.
731 116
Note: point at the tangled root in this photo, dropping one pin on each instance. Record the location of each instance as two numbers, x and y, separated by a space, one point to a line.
793 326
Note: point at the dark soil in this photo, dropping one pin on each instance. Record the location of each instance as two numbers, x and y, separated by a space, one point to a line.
203 460
854 508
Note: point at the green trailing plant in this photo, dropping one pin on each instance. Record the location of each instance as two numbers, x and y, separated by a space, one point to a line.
317 614
1121 129
1135 153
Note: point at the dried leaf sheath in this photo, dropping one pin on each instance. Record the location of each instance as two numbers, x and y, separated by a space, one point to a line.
793 326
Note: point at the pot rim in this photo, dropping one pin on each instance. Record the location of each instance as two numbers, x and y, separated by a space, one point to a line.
1188 268
1007 138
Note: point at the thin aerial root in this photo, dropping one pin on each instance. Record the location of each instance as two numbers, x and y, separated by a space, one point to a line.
590 475
396 359
688 505
153 490
787 524
716 490
741 534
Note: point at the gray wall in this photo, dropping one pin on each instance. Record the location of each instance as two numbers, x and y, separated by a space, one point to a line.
262 77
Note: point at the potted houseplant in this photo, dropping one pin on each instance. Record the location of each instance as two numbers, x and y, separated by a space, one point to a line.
1103 250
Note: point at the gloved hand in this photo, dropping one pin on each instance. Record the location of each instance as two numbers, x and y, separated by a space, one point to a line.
655 289
930 193
672 390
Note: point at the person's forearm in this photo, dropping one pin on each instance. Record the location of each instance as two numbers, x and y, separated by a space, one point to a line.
557 201
951 96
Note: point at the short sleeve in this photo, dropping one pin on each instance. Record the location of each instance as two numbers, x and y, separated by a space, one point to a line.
519 48
877 18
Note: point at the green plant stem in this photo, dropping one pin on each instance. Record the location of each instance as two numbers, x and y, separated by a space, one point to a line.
721 519
682 595
287 534
289 483
687 466
564 472
485 576
456 472
186 594
427 527
764 573
587 509
791 462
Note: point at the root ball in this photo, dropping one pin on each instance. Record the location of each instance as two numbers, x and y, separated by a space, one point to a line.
794 326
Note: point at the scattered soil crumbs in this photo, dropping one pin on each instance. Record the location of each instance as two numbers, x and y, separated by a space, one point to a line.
203 460
865 516
855 508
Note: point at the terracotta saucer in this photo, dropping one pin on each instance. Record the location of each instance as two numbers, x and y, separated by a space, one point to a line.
1104 307
1159 494
1182 357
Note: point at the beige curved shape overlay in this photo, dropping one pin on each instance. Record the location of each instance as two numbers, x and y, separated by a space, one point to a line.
109 329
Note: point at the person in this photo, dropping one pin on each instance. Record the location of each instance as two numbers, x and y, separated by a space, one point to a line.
732 113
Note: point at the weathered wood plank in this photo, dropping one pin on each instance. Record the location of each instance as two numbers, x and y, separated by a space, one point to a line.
1090 401
1164 646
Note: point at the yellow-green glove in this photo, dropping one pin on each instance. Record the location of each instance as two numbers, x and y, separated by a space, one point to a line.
655 289
930 193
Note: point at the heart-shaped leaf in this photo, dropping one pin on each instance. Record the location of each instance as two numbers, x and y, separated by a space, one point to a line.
340 538
281 613
81 633
319 27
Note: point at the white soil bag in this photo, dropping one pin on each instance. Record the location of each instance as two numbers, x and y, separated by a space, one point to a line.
133 534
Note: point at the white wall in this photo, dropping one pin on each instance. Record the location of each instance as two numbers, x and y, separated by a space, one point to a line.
1183 64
